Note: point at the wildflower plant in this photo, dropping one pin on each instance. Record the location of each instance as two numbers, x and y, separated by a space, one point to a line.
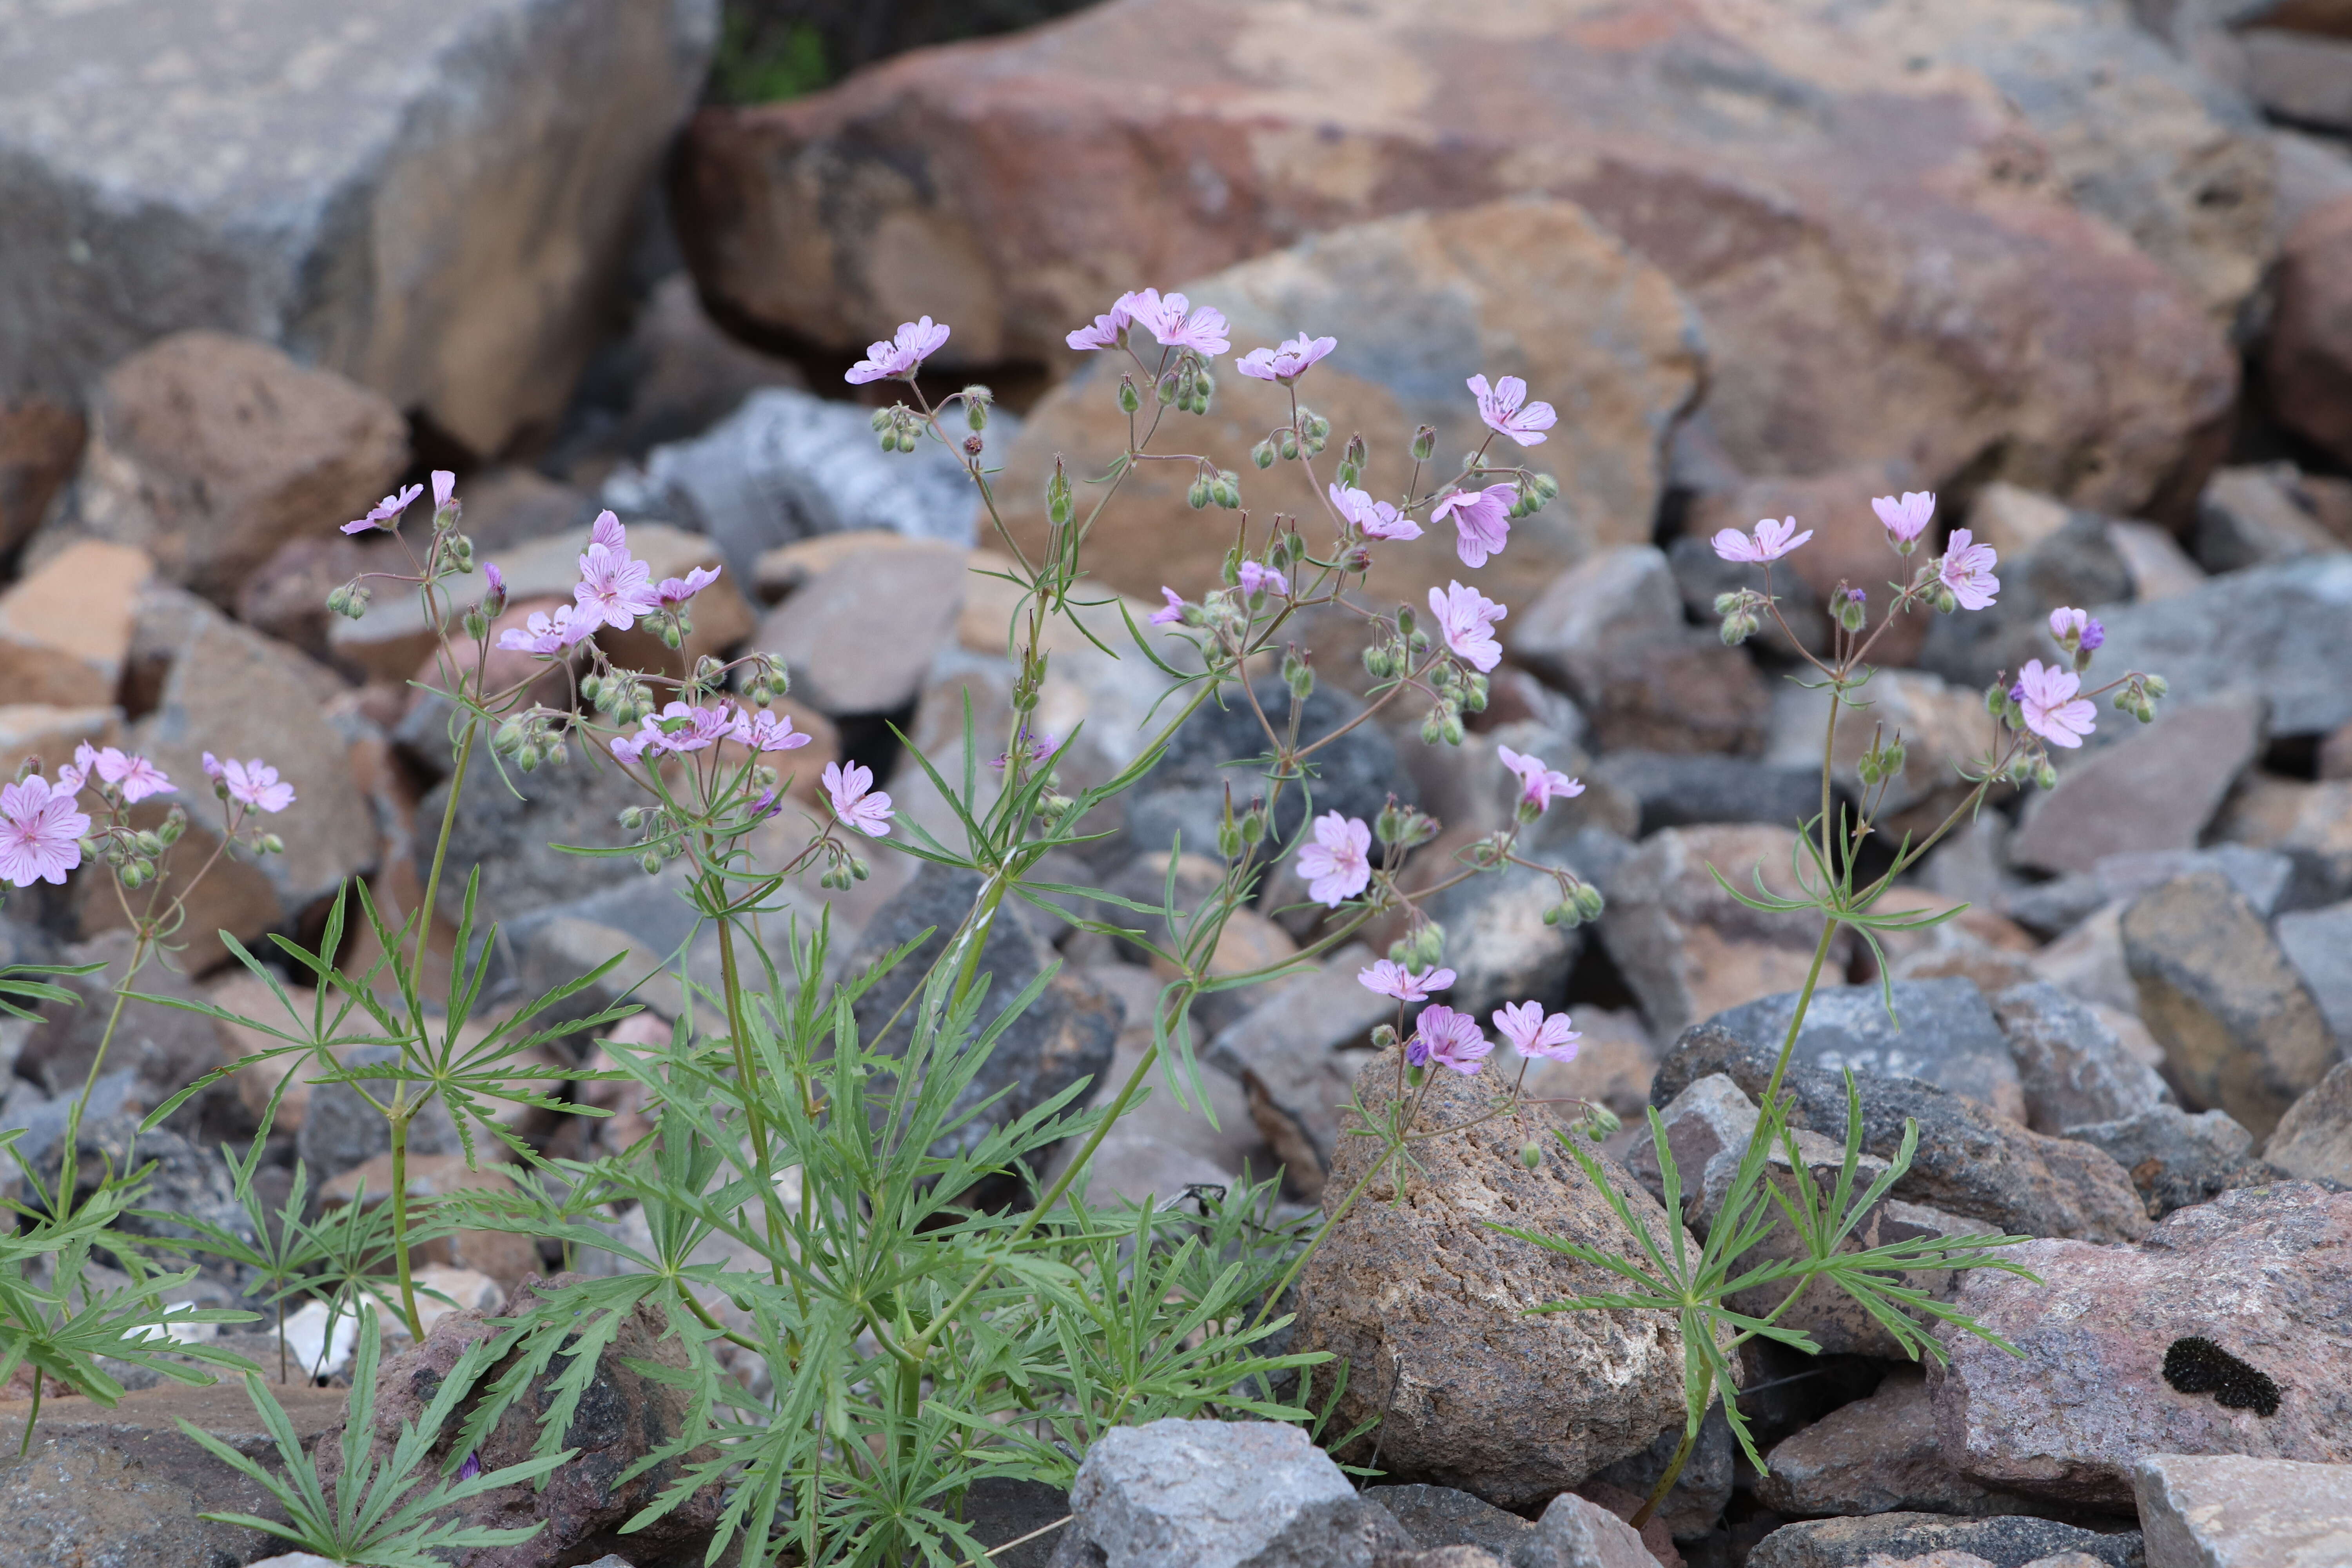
861 1336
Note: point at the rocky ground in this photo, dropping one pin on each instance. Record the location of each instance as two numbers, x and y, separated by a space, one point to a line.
2081 267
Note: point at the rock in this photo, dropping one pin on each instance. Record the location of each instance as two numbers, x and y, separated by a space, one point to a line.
1440 1516
65 630
787 465
1615 597
822 632
207 452
2282 632
2072 1067
1877 1455
1353 776
1219 1494
1419 114
2077 563
1689 693
1614 1064
1428 1306
165 1047
2088 961
2318 942
185 1179
1941 725
2091 1394
2176 1159
2263 877
1575 1533
1688 949
1138 1168
1068 1033
1296 1053
624 1415
1971 1162
508 1258
1178 1125
468 179
2007 1542
1694 1505
2313 1139
2159 568
40 446
1533 288
51 733
1496 941
124 1486
2311 824
1690 791
2235 1512
2110 803
510 833
1942 1033
2251 516
2239 1030
2308 363
340 1131
1001 1509
2299 77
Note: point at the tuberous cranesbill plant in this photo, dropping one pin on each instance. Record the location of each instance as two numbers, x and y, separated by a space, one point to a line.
2043 706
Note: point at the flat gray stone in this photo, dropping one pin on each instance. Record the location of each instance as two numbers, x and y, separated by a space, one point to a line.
2152 789
2177 1158
2318 942
1942 1032
2006 1541
2282 631
2313 1139
2227 1511
2072 1064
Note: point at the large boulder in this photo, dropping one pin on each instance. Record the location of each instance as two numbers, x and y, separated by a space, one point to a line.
2153 789
1882 246
2281 632
433 198
1429 1305
2238 1512
2308 363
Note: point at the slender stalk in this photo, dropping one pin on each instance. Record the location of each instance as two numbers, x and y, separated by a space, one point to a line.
733 984
63 1201
401 1113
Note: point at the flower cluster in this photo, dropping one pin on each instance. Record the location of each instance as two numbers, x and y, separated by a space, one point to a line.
681 727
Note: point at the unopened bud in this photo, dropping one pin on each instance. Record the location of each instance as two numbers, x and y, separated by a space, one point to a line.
651 861
1289 448
1601 1123
477 626
1166 388
883 420
1226 490
1738 628
632 818
1543 488
1473 694
1853 613
271 844
975 406
2155 685
1263 453
1129 400
349 600
1384 1038
1944 600
1198 496
1424 443
1531 1154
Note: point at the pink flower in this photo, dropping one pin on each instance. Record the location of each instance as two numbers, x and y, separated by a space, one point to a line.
2051 709
543 632
2076 628
1906 519
632 748
1501 409
255 782
607 531
445 488
1175 324
1966 570
614 590
496 579
74 774
1107 330
1378 519
1035 746
1539 784
1174 613
1481 520
1338 863
1771 542
899 359
856 801
1532 1033
40 832
675 592
1287 363
766 732
135 776
1255 576
386 510
679 729
1449 1038
1465 617
1390 978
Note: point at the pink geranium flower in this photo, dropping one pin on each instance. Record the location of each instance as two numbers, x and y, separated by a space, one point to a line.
1174 324
1107 330
614 590
766 732
1465 619
40 832
1481 520
679 729
1449 1038
1906 519
1287 363
1338 863
253 783
1174 613
1770 542
1532 1033
904 354
135 776
856 801
1506 411
445 488
386 512
2076 628
2051 709
1966 570
1377 519
675 592
1539 783
1390 978
1256 576
543 632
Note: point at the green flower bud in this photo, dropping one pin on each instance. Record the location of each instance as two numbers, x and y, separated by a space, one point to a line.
1289 446
651 861
1129 399
271 844
975 406
1545 488
134 874
1601 1123
1263 453
1424 443
1166 388
2155 685
1197 496
883 420
2045 776
1384 1038
1589 901
1531 1154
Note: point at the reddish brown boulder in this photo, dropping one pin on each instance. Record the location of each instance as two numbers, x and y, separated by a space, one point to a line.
2309 363
39 444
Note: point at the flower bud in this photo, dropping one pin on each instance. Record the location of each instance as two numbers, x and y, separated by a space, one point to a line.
1473 694
134 873
1358 559
858 870
1853 613
174 822
1531 1154
1379 662
884 419
1204 384
1225 490
350 600
906 439
1738 628
1589 901
1298 674
2045 776
1384 1038
1167 387
1424 443
1263 453
1943 600
270 844
1197 496
1601 1123
150 844
887 440
1229 836
1544 488
632 818
651 861
1129 400
976 400
1289 448
477 625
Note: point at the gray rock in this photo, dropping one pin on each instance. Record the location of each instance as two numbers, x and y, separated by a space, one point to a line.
1675 790
823 631
2225 1511
1877 1455
509 822
1296 1053
1942 1032
2153 789
117 1093
1220 1495
1001 1509
2303 79
339 1130
1441 1516
2308 821
1609 600
2318 942
2073 1068
433 199
787 465
2239 1030
1496 942
1970 1162
184 1179
2283 631
2176 1159
1694 1505
2313 1139
2007 1542
2249 516
2078 565
168 1049
1575 1533
2263 877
